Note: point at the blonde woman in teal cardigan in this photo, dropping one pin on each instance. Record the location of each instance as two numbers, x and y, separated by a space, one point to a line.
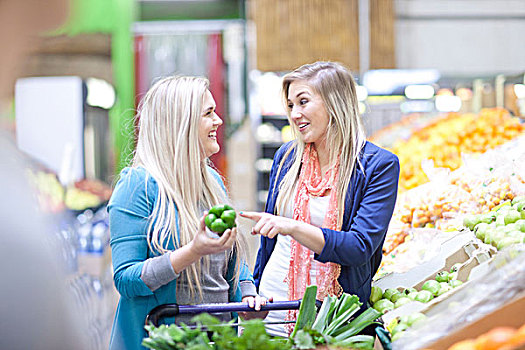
161 252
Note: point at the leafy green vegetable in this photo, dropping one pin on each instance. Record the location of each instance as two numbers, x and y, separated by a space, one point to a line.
358 324
358 342
175 337
224 336
307 310
303 340
342 319
322 317
333 326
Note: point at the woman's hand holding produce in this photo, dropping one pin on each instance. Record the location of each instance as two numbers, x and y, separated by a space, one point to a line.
220 218
203 244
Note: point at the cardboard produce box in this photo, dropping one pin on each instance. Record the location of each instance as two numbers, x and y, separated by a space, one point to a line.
458 249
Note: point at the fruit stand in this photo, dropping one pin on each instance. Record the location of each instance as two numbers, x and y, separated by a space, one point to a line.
454 251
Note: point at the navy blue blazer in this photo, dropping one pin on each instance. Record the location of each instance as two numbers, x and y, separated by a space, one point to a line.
369 204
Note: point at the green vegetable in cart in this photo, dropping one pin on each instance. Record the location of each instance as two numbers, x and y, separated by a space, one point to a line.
455 283
424 296
432 286
307 310
442 276
389 292
333 324
384 305
512 216
377 293
220 218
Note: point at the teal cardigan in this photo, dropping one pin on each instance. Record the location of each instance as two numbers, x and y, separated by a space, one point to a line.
129 208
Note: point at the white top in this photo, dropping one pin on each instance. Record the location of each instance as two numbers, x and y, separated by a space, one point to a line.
276 270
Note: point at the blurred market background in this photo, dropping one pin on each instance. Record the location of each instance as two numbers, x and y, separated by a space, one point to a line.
441 84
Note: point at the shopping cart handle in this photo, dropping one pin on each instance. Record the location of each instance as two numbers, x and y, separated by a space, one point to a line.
171 310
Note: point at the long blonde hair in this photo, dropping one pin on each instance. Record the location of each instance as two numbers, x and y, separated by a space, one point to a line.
345 133
169 148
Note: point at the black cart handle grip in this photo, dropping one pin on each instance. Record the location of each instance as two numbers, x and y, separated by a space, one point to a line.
171 310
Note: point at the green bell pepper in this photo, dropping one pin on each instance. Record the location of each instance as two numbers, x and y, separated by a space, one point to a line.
220 218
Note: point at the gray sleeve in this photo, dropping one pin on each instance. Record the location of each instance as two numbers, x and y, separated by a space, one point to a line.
158 271
247 289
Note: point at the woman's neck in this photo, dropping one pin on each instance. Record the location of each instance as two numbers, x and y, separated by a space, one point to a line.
323 155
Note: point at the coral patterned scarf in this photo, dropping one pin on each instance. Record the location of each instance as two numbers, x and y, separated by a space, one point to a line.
301 262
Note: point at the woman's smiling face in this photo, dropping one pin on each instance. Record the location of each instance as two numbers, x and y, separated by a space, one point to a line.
308 112
208 126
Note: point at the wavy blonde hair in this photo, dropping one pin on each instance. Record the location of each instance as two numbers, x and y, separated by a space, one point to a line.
345 133
169 148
